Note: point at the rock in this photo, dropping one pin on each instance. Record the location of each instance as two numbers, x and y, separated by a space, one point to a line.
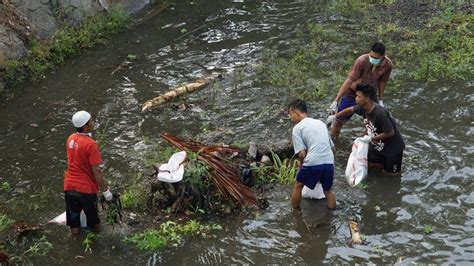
40 15
265 159
252 151
11 45
74 10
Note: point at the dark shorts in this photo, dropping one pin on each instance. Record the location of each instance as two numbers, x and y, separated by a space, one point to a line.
391 164
75 203
311 175
343 104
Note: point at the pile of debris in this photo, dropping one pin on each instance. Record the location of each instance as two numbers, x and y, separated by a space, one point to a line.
217 178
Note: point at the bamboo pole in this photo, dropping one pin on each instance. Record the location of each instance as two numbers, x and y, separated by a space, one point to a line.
174 93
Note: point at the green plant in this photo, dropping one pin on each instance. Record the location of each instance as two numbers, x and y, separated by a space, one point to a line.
262 172
131 57
196 209
87 242
169 233
133 197
427 229
148 240
295 72
40 248
5 223
378 249
443 48
197 173
167 210
5 186
112 214
284 171
362 186
191 227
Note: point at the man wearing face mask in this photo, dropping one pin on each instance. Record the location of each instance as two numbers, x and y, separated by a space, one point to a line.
373 69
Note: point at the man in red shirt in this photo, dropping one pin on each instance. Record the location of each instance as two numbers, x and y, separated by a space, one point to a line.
83 176
372 69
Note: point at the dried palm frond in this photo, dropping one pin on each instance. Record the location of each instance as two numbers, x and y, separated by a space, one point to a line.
224 174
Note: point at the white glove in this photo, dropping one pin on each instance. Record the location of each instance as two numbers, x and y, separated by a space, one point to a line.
381 103
331 119
333 107
108 195
365 139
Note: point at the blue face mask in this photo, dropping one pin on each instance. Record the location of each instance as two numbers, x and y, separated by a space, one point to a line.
374 61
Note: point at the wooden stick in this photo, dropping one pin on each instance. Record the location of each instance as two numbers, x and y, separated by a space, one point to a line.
354 227
174 93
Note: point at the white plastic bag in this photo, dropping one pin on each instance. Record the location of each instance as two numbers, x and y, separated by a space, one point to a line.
173 171
316 193
356 168
61 219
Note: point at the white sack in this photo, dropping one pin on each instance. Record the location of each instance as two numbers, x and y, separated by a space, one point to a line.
61 219
356 168
316 193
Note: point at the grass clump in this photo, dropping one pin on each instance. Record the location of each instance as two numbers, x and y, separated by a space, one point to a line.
296 72
443 49
134 197
197 173
68 40
41 247
428 229
87 242
169 234
5 186
5 223
282 172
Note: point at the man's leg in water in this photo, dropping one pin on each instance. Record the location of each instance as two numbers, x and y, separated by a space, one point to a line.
336 128
331 199
296 195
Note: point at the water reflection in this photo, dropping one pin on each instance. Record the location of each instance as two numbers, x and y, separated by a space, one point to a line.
380 213
312 223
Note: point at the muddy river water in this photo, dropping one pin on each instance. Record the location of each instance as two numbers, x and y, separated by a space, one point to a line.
435 190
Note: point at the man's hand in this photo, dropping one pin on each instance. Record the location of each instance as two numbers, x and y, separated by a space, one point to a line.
365 139
331 119
333 108
381 103
108 196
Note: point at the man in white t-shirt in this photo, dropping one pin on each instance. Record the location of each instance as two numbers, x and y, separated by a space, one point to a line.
315 150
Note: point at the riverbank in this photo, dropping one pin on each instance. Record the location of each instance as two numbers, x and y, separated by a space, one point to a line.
36 37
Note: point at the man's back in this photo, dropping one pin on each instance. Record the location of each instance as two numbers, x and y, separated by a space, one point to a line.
312 135
82 154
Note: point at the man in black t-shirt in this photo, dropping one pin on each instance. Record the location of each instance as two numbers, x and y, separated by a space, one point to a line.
387 144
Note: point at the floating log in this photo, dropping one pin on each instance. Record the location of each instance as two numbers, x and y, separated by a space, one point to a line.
174 93
355 233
